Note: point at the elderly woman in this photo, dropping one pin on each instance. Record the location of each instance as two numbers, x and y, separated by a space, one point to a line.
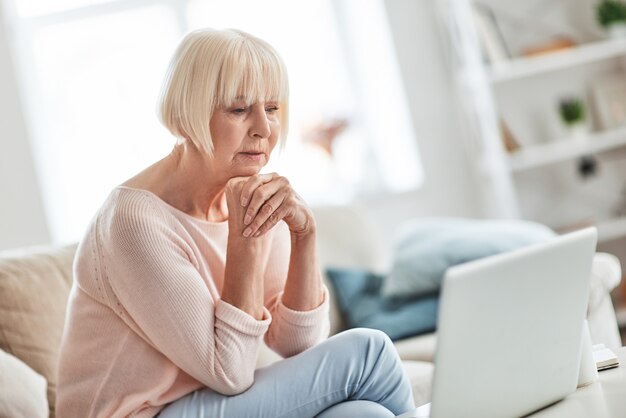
190 265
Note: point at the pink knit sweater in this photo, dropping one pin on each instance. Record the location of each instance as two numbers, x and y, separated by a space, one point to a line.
145 324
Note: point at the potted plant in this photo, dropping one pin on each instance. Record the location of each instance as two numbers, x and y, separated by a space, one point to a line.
611 15
572 111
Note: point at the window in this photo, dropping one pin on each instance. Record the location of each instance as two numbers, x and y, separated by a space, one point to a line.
91 72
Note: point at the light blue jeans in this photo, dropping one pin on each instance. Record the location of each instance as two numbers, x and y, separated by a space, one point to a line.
356 373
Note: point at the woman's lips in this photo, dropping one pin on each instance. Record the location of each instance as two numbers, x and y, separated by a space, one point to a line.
253 156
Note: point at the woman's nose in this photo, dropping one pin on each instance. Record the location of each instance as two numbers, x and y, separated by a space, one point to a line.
260 127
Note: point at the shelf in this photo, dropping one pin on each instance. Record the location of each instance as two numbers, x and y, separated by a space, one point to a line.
608 229
611 229
524 67
620 314
566 149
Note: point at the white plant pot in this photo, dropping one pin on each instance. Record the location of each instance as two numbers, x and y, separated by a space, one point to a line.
578 131
617 30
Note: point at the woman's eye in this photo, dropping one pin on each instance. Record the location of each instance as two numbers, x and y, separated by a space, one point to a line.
239 110
271 109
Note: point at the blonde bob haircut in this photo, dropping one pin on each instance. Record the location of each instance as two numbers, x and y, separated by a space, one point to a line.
211 69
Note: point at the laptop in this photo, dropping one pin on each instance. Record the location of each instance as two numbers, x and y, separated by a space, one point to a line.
510 330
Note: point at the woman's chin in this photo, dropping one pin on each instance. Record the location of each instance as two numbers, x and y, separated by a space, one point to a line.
250 170
248 166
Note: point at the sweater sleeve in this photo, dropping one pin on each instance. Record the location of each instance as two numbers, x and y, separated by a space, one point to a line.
290 332
166 300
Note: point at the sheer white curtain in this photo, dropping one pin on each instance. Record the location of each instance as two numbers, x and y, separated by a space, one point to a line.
483 141
91 71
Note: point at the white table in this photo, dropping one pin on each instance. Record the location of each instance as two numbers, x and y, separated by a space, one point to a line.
603 399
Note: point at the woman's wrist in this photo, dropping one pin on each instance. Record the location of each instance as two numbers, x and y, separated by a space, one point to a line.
247 245
246 259
307 233
303 289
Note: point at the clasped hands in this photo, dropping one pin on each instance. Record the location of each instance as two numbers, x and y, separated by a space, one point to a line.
257 203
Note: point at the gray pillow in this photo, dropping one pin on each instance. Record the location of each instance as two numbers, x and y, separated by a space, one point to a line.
22 390
429 246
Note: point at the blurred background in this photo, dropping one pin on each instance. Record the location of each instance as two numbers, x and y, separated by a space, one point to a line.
408 108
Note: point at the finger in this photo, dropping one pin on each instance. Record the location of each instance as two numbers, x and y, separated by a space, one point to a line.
268 210
277 216
261 195
297 215
234 187
252 184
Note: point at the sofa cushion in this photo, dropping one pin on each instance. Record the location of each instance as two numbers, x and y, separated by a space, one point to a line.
359 299
22 390
420 348
420 375
34 287
429 246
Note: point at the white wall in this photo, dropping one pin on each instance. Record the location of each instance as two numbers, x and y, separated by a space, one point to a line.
22 219
448 188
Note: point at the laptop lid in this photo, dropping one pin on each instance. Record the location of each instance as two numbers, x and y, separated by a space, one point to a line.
509 329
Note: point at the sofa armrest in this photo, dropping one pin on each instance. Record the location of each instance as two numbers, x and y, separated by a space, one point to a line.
606 275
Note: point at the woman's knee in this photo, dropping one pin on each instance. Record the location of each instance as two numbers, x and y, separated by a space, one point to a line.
368 336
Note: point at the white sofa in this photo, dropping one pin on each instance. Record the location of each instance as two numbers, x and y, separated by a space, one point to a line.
35 282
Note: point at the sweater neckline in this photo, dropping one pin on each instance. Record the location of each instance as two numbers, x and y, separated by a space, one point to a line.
172 208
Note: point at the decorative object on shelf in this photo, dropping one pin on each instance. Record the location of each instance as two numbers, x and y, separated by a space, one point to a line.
566 229
324 134
492 42
609 98
611 15
587 166
572 111
509 141
560 43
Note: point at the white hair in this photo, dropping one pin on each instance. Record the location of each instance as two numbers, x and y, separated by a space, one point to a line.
215 68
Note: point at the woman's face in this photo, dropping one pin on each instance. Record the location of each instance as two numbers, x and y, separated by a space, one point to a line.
244 137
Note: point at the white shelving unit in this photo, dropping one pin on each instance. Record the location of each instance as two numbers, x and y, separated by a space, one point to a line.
621 317
526 93
611 229
566 149
558 150
584 54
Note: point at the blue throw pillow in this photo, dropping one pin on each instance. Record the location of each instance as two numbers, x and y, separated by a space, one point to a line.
358 295
430 246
